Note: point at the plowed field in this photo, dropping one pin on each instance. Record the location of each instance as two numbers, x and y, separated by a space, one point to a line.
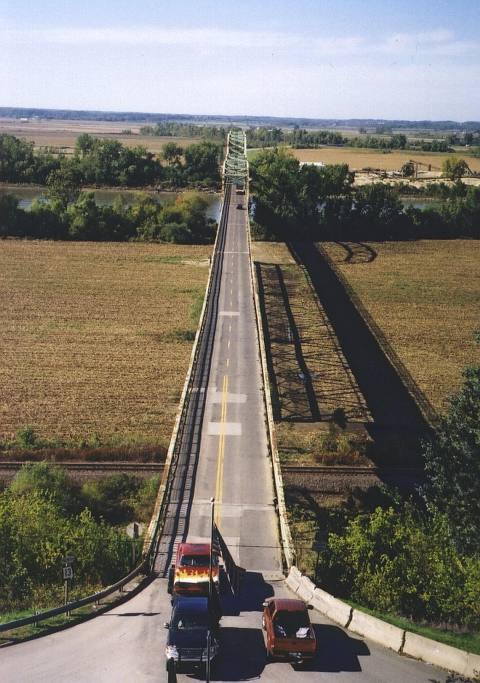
96 338
425 297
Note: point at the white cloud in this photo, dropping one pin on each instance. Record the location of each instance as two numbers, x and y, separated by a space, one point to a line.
435 43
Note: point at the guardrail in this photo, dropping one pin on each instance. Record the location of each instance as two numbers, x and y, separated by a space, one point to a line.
155 528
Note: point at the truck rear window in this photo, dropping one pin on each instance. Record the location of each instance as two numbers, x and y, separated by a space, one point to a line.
198 561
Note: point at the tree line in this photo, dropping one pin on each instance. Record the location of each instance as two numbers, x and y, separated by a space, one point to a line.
293 201
69 214
103 161
44 515
301 138
187 130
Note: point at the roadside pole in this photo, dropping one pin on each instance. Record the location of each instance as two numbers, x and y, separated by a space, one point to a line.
210 596
67 572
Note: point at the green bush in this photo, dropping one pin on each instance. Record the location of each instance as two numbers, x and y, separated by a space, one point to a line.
398 561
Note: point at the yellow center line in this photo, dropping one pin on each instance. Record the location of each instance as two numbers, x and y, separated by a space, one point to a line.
221 451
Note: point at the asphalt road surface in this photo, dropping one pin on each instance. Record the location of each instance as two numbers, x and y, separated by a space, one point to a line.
126 644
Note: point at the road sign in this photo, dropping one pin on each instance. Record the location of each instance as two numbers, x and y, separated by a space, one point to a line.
69 559
67 573
135 529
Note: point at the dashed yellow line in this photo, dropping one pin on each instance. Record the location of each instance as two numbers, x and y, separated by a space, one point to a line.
221 451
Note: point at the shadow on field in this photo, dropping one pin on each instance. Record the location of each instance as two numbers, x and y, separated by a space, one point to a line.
398 421
358 252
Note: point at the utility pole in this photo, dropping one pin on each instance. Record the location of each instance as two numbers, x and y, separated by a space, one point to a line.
210 587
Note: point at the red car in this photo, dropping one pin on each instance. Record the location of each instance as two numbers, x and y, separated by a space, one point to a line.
189 575
288 631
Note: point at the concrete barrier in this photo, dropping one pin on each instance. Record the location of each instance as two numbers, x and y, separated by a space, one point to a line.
377 630
472 669
293 579
305 589
333 608
438 654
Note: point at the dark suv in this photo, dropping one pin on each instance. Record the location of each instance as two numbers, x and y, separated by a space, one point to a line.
191 620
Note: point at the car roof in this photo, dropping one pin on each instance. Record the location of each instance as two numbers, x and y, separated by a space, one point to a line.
289 605
194 548
190 605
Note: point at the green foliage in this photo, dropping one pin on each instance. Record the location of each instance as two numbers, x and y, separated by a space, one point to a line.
454 168
9 215
102 161
112 497
64 217
397 561
187 130
63 184
27 437
452 464
35 535
296 202
145 498
202 162
48 481
43 515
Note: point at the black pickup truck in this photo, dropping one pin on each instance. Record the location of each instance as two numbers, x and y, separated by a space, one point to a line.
191 621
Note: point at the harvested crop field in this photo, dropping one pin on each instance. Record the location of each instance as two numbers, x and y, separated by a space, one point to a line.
358 158
425 297
95 338
62 135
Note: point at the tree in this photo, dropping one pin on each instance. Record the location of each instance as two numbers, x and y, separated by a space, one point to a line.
454 168
172 153
9 215
63 184
202 161
378 212
84 218
452 464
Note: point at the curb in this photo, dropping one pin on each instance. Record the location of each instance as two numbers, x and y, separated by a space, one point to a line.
285 533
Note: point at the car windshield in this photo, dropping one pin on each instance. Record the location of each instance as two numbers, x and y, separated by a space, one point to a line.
198 561
191 621
291 622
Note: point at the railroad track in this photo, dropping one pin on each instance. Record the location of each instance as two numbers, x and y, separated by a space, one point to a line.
351 470
99 467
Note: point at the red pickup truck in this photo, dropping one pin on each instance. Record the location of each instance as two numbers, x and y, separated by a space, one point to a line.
189 575
288 631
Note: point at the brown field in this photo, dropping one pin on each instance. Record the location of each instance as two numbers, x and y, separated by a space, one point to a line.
358 158
96 338
62 135
425 297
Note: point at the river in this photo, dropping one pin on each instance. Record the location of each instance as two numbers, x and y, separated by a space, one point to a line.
27 195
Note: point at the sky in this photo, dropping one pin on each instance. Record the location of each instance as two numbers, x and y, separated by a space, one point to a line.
383 59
